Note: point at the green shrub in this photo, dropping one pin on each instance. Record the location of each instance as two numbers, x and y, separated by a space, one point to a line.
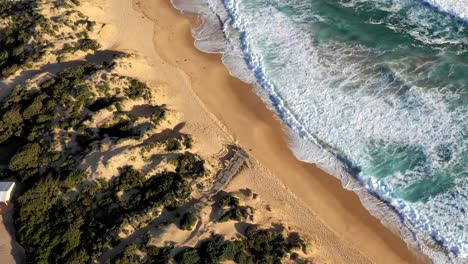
172 144
158 254
136 90
90 25
190 165
233 214
188 141
190 256
87 44
128 256
267 246
35 108
26 161
166 189
158 115
19 43
188 221
228 201
259 246
13 117
217 249
128 179
9 70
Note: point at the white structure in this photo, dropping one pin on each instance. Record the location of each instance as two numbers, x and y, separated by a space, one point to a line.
6 189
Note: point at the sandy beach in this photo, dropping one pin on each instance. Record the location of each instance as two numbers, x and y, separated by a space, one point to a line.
219 108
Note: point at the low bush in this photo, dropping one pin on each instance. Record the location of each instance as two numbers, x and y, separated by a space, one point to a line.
158 115
188 141
188 221
87 44
137 89
228 201
233 214
190 165
172 144
258 246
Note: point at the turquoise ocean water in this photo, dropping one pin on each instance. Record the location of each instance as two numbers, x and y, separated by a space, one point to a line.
374 91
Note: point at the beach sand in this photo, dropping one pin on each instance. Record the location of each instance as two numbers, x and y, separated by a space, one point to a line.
221 109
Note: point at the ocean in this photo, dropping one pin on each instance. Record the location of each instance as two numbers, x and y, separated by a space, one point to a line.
373 91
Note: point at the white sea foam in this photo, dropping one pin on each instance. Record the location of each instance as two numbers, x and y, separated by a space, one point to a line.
455 7
300 93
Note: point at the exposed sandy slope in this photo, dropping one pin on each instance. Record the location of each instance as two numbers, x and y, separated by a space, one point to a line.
5 243
220 109
10 251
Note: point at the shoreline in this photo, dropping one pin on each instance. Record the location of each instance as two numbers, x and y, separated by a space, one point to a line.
219 105
351 221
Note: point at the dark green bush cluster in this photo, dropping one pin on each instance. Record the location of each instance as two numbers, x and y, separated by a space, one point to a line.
187 141
228 201
166 189
234 212
190 165
188 221
15 49
87 44
137 89
150 255
158 115
89 216
30 116
172 144
129 179
61 217
122 129
65 3
57 230
103 102
26 160
20 39
82 44
259 246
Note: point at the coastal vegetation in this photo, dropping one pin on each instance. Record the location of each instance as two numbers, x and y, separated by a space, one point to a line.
19 21
62 215
135 254
228 201
188 221
31 30
234 211
269 246
258 246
